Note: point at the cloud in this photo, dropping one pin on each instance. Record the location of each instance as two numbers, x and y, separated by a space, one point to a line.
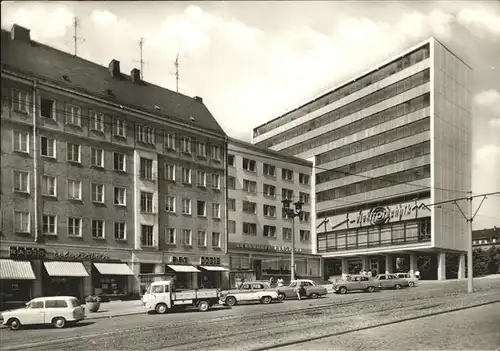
480 20
488 99
494 122
104 17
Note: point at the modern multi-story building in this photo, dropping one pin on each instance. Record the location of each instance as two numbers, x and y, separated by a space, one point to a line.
387 146
107 180
260 232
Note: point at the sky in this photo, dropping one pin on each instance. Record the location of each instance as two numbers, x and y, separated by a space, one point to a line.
253 61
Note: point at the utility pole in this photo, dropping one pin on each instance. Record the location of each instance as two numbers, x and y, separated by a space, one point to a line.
75 35
177 72
141 43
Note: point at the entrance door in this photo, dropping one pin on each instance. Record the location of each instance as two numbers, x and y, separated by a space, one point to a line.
257 265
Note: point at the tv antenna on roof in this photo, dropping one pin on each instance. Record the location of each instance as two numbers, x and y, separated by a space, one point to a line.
75 35
141 61
176 64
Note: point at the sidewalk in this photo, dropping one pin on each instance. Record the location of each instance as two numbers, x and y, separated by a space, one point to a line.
116 309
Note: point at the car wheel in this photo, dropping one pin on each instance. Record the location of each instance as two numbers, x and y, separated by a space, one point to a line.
343 290
281 296
411 284
203 306
266 300
230 301
397 286
314 296
59 322
14 324
371 289
161 308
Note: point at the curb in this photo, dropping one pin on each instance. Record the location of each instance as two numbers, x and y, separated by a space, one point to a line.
120 314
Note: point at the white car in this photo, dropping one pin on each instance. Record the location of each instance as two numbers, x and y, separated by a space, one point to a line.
55 310
252 291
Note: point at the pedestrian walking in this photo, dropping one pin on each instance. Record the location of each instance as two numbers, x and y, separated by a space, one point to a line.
280 282
299 290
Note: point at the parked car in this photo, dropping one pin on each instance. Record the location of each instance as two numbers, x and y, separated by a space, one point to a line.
390 281
312 290
55 310
407 276
355 283
247 292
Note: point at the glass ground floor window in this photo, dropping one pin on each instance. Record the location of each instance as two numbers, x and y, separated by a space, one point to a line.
63 286
16 290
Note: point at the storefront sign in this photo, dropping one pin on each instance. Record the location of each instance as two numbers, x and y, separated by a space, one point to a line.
27 252
259 247
180 259
92 256
376 216
210 261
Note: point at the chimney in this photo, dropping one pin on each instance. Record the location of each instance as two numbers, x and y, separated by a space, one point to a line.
135 75
199 99
114 68
20 33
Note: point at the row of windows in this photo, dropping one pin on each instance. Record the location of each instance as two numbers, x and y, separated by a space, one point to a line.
355 106
187 207
385 181
22 102
360 83
268 170
186 237
374 141
267 210
250 186
362 124
268 231
388 158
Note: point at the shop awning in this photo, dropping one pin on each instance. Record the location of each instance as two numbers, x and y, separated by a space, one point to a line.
183 269
16 270
65 269
113 269
215 268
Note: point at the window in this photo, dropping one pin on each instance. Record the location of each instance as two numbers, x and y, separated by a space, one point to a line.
231 183
120 196
230 160
55 304
304 197
145 134
146 169
21 101
249 186
146 235
74 189
287 174
202 150
74 226
269 170
48 147
73 152
97 157
73 115
286 194
36 304
304 216
287 234
49 224
98 228
231 204
215 210
186 145
249 228
216 181
202 238
269 190
249 207
170 204
169 172
186 237
231 227
49 185
21 181
216 151
215 239
170 141
96 121
146 202
97 192
269 211
22 221
47 108
201 208
249 165
21 141
304 179
201 178
186 175
119 128
120 231
270 231
186 206
170 236
304 235
119 162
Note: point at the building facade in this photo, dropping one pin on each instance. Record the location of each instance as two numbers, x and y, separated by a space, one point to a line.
387 145
101 174
260 233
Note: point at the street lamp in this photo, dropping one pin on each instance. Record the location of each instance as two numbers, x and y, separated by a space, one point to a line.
291 213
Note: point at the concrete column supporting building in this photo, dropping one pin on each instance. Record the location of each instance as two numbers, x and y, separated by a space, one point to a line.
389 267
441 258
461 266
87 288
345 266
159 269
365 263
413 264
134 283
38 283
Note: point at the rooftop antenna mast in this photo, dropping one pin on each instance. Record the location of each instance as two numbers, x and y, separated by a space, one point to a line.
141 43
75 35
177 72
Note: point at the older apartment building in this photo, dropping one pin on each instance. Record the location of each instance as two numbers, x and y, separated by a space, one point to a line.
386 144
107 180
260 233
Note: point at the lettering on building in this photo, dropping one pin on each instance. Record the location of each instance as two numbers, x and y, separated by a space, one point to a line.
180 259
210 261
261 247
83 256
26 252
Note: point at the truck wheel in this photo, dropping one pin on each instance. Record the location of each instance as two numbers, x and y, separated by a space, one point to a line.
343 290
314 296
266 299
397 286
203 306
371 289
281 296
14 324
161 308
230 301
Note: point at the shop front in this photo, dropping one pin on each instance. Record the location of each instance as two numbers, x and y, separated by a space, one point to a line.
64 278
110 280
212 273
16 281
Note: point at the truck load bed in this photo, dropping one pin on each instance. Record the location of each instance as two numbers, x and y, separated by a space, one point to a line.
195 294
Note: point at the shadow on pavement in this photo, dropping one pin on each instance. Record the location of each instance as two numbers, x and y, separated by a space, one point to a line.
48 326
